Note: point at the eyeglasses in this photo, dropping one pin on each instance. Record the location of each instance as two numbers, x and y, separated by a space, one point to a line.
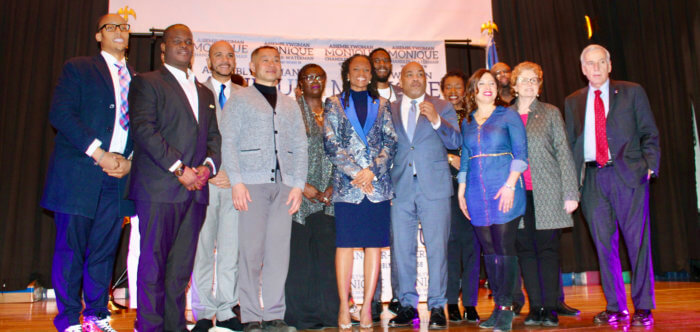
111 27
533 80
502 72
312 78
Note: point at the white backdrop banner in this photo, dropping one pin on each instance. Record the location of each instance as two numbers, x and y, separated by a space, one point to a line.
327 53
335 19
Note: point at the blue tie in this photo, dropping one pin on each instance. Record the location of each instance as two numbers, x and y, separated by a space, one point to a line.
222 96
411 127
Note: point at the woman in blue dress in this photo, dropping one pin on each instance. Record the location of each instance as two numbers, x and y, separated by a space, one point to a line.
491 192
360 142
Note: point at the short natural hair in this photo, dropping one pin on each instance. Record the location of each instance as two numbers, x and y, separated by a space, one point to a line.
377 50
525 65
257 50
592 47
453 73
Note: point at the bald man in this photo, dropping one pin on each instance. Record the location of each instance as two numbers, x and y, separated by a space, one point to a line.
86 177
426 127
220 230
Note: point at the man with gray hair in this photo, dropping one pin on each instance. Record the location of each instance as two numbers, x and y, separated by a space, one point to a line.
615 146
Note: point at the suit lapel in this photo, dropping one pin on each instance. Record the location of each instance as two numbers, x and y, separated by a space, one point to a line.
612 98
396 117
372 112
203 103
351 114
581 110
175 85
106 76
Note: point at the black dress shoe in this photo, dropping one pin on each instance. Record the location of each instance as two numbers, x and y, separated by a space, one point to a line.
406 317
534 317
565 310
517 307
233 324
437 318
642 317
611 317
453 312
471 315
237 311
203 325
394 306
550 317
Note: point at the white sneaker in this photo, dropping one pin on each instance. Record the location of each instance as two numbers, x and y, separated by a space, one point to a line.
74 328
92 324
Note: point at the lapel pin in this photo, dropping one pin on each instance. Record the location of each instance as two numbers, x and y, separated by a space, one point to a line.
211 106
615 91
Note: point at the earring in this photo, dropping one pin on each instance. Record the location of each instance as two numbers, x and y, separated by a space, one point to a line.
369 81
538 95
516 95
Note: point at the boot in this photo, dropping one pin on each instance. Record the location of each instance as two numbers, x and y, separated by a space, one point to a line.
490 263
508 267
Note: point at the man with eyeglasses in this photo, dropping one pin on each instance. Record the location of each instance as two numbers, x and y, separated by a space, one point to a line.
501 72
86 177
177 150
220 230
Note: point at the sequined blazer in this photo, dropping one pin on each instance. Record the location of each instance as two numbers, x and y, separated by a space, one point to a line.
351 148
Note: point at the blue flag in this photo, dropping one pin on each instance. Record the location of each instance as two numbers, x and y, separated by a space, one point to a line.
491 54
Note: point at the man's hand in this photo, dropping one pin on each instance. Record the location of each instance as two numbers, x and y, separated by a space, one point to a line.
570 206
202 176
189 179
294 200
123 167
241 197
221 180
428 110
311 193
454 160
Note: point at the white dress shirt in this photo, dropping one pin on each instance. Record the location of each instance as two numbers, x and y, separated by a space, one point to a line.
589 145
406 107
388 93
119 134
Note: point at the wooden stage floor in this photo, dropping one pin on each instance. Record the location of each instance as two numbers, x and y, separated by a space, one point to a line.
678 309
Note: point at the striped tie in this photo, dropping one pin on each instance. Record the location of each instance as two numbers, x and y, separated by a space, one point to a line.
124 80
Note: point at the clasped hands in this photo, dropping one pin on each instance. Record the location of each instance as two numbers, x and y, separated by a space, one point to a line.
363 180
114 164
194 178
316 196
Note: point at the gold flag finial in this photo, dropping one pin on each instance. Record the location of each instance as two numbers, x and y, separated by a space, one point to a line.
125 12
489 27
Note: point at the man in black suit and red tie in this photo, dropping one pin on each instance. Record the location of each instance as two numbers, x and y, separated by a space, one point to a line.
615 146
86 177
176 150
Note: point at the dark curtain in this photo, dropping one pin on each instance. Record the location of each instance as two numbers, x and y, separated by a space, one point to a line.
36 37
653 43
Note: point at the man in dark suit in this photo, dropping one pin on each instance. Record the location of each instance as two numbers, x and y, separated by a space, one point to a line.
176 150
426 127
615 146
85 180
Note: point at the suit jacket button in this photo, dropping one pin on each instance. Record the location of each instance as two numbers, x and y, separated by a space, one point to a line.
273 170
275 132
410 165
272 179
413 148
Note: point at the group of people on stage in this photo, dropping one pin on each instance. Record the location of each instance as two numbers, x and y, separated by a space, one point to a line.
267 198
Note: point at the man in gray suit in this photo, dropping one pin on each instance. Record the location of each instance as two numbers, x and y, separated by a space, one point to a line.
426 127
220 230
265 156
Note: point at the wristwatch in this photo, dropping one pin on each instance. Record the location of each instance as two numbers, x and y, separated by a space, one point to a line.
180 170
211 169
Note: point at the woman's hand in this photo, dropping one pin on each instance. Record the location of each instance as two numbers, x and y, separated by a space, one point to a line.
570 206
311 193
506 196
462 200
363 180
325 197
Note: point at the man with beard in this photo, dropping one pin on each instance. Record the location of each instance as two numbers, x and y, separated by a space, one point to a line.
381 68
176 149
220 230
86 177
501 72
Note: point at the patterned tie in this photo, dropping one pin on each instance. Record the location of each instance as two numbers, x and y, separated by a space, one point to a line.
124 80
601 138
222 96
411 127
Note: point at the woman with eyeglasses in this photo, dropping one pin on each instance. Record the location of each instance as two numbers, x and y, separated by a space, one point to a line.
310 291
360 141
491 193
551 191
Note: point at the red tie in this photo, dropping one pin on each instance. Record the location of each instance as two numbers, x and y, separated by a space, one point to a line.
601 137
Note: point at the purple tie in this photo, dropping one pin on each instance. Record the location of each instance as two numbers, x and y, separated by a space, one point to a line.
124 80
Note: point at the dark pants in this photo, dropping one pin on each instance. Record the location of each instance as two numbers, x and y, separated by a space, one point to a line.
498 243
608 205
169 234
538 255
463 259
311 290
84 258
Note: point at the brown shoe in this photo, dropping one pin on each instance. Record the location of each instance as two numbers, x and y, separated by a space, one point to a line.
642 317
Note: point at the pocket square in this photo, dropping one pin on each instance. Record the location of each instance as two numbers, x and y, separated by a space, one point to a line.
211 106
